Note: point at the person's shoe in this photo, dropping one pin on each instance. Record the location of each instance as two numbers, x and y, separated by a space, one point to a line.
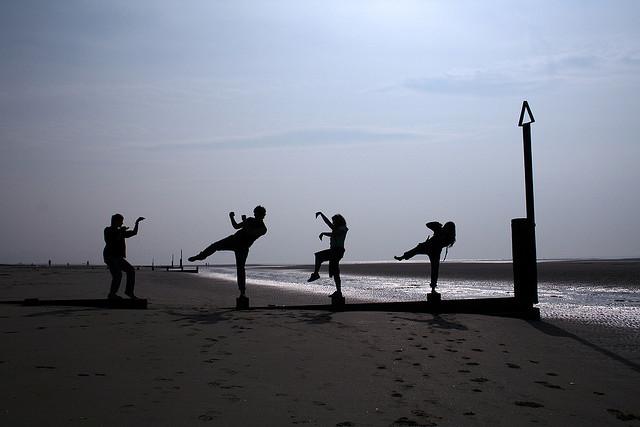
195 258
335 294
114 297
314 276
131 295
398 258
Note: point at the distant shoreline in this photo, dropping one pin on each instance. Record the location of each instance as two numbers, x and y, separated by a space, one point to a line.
346 263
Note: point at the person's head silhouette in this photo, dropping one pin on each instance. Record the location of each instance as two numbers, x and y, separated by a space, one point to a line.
259 212
338 220
116 220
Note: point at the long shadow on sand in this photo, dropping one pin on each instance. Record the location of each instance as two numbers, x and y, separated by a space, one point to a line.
438 322
60 313
209 318
231 315
555 331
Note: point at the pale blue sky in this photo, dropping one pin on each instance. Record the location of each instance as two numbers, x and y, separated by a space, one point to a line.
390 112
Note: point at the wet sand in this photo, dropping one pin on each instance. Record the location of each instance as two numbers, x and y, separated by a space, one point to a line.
602 272
191 360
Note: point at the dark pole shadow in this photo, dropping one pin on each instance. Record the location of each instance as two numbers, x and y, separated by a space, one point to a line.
556 331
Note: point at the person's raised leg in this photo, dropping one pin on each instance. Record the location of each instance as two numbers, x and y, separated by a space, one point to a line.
420 249
320 258
226 244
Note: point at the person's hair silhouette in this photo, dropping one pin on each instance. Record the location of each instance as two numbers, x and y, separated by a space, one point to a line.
444 236
334 254
249 230
114 255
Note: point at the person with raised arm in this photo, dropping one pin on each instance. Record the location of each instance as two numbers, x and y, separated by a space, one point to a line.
444 236
334 254
115 253
249 230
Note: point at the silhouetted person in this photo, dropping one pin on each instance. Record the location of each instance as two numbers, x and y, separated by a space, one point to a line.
443 237
334 254
115 252
249 230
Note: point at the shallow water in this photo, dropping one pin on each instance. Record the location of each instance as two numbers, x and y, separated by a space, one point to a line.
587 303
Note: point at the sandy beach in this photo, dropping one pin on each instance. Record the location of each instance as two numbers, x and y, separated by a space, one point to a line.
190 359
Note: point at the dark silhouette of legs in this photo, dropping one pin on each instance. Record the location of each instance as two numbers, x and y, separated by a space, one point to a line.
226 244
334 270
229 244
241 259
116 267
321 257
434 259
420 249
333 256
425 248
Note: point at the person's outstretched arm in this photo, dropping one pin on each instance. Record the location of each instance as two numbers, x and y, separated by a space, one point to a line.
325 219
236 225
324 233
131 233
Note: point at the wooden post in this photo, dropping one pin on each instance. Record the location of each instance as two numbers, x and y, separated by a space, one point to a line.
523 232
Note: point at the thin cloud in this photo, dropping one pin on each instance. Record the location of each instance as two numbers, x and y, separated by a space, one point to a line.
300 139
538 74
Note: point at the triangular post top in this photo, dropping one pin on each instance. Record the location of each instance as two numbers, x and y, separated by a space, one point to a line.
530 119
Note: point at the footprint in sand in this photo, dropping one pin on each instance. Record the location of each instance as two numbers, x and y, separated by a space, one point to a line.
480 380
549 385
472 364
528 404
469 414
598 393
513 366
479 350
404 421
552 374
396 394
208 416
623 416
345 424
